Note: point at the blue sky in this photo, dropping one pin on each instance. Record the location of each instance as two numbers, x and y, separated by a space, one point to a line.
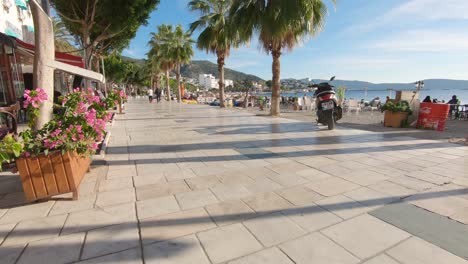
377 41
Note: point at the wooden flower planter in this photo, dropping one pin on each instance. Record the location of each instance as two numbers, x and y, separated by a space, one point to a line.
394 119
45 176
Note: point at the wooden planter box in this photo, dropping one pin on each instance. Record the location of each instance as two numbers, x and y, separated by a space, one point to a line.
392 119
45 176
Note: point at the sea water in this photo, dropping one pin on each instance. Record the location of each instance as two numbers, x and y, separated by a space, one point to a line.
439 94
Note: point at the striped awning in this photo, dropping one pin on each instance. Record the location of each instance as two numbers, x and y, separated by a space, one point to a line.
10 32
21 4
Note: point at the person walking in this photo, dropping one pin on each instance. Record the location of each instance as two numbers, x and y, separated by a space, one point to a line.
158 95
150 95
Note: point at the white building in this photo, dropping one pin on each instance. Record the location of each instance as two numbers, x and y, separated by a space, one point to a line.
210 82
16 20
228 83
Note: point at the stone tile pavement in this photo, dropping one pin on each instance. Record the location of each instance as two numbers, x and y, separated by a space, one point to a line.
195 184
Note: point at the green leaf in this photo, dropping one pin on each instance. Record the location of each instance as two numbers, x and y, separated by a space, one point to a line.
17 148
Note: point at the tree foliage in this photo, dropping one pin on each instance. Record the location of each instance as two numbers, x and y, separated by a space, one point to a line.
102 26
218 33
170 47
280 26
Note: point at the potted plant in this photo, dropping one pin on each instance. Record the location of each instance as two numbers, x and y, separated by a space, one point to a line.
117 98
395 113
52 160
261 102
340 93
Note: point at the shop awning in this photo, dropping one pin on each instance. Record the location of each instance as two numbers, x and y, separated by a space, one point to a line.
78 71
21 4
65 62
5 39
62 57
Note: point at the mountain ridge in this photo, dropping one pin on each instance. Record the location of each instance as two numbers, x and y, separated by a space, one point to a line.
429 84
196 67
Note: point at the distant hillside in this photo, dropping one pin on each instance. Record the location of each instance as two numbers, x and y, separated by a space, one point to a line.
140 62
430 84
196 68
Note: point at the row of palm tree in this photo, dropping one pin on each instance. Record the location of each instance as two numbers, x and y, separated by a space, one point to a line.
171 47
279 24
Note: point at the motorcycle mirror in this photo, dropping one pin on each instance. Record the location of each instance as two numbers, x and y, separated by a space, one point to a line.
332 78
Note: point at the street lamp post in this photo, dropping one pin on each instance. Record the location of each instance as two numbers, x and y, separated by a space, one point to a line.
419 85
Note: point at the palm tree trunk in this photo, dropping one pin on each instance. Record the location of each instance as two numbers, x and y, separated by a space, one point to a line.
179 96
276 85
168 87
221 79
45 53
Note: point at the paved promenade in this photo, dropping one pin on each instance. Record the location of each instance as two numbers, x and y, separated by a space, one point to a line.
191 184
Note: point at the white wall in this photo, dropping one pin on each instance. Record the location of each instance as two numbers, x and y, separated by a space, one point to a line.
10 21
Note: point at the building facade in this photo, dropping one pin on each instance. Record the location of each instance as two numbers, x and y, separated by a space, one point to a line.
16 20
208 81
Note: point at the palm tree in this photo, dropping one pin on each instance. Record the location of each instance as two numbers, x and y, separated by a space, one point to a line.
62 36
180 52
280 25
159 53
218 35
172 47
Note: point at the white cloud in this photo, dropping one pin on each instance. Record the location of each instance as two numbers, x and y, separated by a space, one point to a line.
424 41
430 10
363 61
129 51
417 11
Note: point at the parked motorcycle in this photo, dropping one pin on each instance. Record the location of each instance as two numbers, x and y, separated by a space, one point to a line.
328 110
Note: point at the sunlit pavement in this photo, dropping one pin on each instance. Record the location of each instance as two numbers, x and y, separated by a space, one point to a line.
196 184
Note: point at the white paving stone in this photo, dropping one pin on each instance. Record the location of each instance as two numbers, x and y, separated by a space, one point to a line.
230 192
30 211
110 239
174 225
64 249
99 217
273 229
418 251
316 248
69 206
116 184
157 206
267 202
343 206
9 255
115 197
312 217
195 199
267 256
5 230
184 250
332 186
37 229
228 242
300 195
140 181
365 235
131 256
381 259
230 212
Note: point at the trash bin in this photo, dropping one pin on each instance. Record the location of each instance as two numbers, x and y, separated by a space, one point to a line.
433 116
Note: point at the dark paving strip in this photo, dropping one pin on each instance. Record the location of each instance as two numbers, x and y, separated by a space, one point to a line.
438 230
256 153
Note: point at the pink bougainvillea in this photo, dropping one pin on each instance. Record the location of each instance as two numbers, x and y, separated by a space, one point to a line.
79 125
34 98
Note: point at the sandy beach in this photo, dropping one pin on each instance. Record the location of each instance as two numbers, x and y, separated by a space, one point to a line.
456 130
